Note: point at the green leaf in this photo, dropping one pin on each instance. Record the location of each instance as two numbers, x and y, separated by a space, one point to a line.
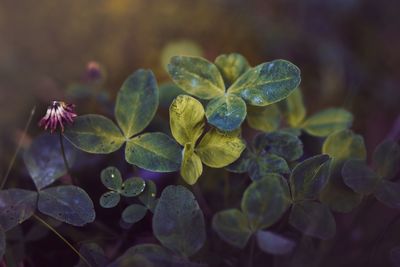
273 243
148 197
94 134
111 178
388 193
341 146
267 83
178 222
218 149
67 203
2 242
232 227
196 76
265 119
231 66
186 117
241 165
293 108
44 160
282 144
94 254
309 177
192 167
132 187
328 121
386 159
359 177
265 201
16 206
109 199
266 164
155 152
134 213
313 219
137 102
226 112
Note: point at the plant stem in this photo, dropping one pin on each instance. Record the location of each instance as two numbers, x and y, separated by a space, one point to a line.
252 245
63 154
14 157
63 239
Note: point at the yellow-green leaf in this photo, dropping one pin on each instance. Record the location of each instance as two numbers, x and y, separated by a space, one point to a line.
293 108
328 121
265 119
231 66
196 76
94 134
217 149
267 83
341 146
186 116
137 102
192 167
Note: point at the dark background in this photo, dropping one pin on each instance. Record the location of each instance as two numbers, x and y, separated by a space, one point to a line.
348 51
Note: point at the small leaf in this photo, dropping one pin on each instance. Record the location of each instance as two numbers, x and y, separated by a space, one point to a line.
217 149
231 66
264 201
132 187
267 83
187 121
266 164
94 254
226 112
309 177
359 177
178 222
2 242
44 159
241 165
155 152
282 144
16 206
341 146
273 243
196 76
293 108
67 203
232 227
137 102
134 213
94 134
265 119
109 199
313 219
148 197
386 159
328 121
192 167
111 178
388 193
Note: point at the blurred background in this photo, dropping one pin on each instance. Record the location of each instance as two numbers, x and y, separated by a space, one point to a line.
348 50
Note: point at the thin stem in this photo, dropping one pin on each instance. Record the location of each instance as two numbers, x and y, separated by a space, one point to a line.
14 157
63 239
63 154
252 245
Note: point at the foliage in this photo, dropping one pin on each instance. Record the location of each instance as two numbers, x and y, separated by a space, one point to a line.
292 195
